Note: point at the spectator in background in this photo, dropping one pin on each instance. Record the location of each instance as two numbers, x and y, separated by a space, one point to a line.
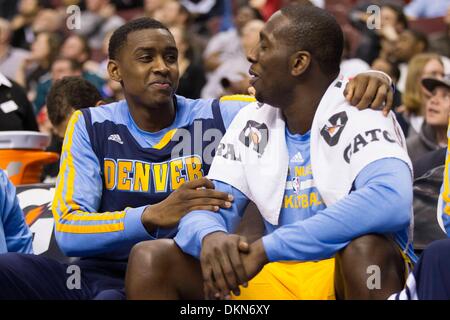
226 45
440 43
172 14
393 71
150 7
192 76
350 67
65 97
433 134
232 75
21 24
99 19
10 57
16 112
409 44
426 9
15 236
43 52
48 20
392 21
414 96
61 67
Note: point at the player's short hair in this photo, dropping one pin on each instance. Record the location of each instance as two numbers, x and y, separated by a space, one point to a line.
316 31
70 93
119 37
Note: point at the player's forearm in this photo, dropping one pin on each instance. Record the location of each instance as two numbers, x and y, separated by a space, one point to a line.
380 204
94 235
197 224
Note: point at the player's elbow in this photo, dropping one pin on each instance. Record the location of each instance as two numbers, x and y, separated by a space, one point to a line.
396 212
69 246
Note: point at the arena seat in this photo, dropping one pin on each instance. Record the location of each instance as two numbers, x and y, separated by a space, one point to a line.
22 155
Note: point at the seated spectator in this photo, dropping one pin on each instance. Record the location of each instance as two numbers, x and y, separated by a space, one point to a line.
48 20
192 75
65 97
413 97
10 58
226 45
433 134
98 19
43 52
16 112
232 75
392 23
63 67
76 47
15 236
22 22
409 44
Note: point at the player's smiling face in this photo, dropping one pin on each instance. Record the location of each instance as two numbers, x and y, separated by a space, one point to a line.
270 61
149 67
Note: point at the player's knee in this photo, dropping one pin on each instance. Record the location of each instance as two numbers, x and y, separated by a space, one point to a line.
151 255
368 249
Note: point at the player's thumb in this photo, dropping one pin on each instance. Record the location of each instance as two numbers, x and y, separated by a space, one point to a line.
243 245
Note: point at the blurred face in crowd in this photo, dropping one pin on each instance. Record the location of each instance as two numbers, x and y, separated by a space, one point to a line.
433 69
438 107
388 17
243 16
95 5
147 66
407 46
5 31
168 13
63 68
28 7
385 66
40 48
74 48
269 63
150 6
47 20
250 35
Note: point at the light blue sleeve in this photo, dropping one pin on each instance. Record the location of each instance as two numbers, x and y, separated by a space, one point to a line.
381 203
231 105
194 226
17 235
79 228
416 8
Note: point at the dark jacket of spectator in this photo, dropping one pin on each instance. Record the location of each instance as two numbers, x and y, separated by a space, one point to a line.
422 143
16 112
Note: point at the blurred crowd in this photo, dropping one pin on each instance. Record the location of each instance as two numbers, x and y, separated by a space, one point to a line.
41 41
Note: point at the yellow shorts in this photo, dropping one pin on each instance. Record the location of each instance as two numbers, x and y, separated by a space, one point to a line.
292 281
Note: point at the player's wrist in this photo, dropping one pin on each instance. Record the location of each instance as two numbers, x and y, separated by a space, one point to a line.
150 218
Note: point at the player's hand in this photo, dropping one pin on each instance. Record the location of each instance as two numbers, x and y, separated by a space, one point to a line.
222 267
370 89
198 194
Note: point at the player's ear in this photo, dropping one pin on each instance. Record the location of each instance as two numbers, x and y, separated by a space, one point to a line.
114 71
299 62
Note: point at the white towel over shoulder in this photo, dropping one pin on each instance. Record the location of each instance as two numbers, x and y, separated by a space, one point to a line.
253 158
253 155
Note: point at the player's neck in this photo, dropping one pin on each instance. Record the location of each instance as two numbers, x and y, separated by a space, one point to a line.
300 113
152 119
